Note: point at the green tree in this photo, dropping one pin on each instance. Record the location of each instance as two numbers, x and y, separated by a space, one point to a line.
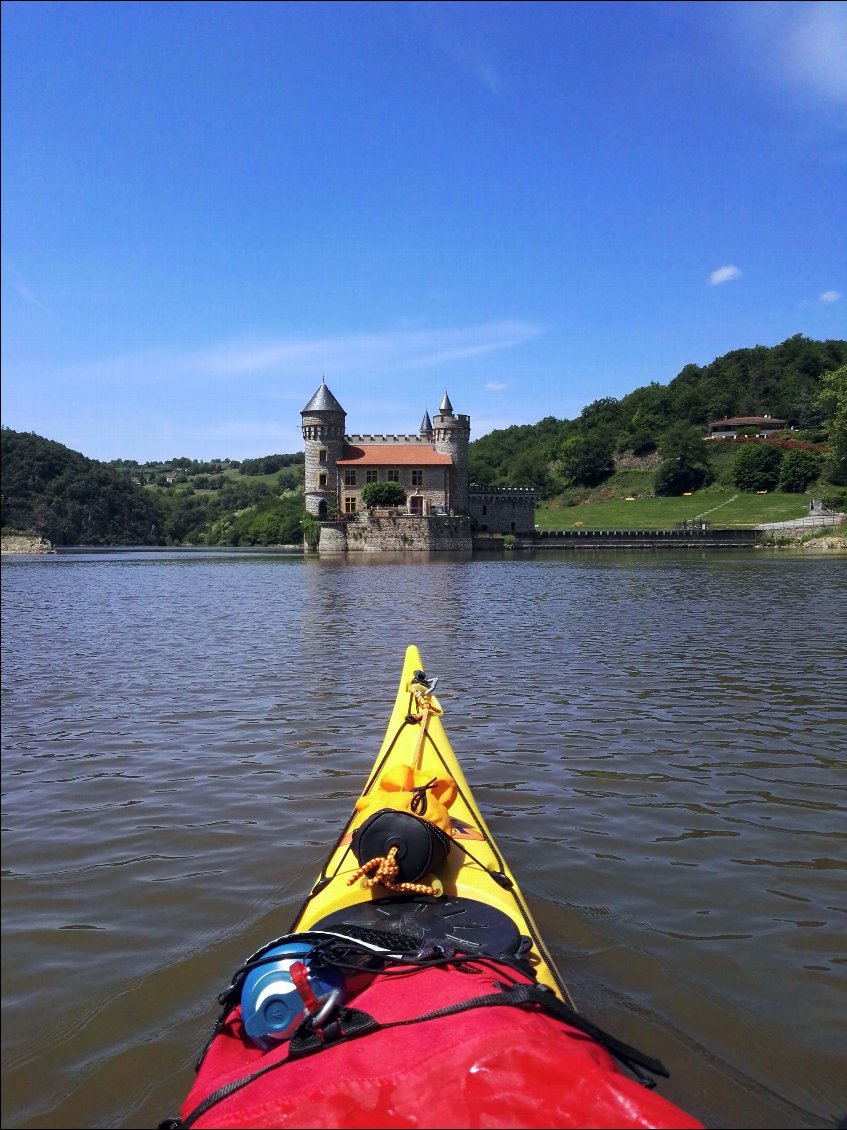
530 469
674 478
686 463
685 442
833 404
586 460
604 414
383 494
756 466
798 469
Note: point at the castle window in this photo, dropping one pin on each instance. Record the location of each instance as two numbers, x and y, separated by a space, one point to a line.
417 476
392 475
484 511
372 475
322 479
350 477
350 504
322 455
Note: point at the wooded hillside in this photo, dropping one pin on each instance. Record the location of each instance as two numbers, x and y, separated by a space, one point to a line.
68 499
782 381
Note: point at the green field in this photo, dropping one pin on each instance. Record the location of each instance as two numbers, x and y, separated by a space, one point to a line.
724 509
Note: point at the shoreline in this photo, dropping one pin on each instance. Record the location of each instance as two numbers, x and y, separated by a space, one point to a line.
30 545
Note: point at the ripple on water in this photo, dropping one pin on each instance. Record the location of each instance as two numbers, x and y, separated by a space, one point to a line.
182 736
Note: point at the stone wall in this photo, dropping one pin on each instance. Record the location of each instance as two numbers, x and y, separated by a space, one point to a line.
368 533
433 492
503 510
620 539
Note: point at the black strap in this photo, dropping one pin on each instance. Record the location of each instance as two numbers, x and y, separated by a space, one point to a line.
349 1024
307 1041
352 1023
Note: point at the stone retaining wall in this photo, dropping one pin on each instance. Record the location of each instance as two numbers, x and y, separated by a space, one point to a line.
621 539
404 533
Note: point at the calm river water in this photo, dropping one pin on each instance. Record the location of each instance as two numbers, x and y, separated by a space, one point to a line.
658 742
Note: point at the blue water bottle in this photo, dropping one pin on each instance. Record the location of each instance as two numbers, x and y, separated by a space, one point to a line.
270 1002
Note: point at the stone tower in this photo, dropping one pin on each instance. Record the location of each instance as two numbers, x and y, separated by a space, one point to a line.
323 436
452 435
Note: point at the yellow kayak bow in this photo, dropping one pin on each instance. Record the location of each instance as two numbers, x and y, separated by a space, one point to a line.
470 896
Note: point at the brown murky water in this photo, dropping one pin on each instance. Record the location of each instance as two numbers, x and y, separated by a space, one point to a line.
657 741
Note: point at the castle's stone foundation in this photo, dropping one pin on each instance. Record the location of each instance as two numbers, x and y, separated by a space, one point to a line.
403 533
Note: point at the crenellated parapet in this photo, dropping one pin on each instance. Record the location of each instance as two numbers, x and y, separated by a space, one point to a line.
503 492
388 439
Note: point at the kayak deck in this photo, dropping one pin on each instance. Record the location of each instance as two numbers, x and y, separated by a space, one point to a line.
475 900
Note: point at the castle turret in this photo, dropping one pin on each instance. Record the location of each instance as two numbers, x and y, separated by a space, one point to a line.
452 434
323 421
426 426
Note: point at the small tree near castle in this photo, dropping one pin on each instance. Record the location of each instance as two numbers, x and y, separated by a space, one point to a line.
383 494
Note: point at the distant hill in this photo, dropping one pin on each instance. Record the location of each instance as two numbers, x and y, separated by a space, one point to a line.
627 444
781 381
58 494
68 499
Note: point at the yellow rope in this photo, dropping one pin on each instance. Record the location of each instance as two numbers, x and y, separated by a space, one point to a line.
386 872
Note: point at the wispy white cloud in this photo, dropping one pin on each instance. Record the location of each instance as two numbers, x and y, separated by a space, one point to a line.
803 44
723 275
315 357
816 48
495 386
26 294
829 296
461 42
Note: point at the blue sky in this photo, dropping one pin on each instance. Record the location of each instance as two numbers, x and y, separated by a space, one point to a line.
208 207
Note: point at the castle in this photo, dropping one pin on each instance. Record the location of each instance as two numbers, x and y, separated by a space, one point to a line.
442 506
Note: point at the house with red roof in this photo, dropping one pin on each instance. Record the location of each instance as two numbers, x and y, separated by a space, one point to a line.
743 427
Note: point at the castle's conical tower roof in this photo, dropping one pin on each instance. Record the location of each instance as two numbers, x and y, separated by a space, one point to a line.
322 401
426 425
446 408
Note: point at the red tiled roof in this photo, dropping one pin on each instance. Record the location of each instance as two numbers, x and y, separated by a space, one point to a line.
392 455
737 421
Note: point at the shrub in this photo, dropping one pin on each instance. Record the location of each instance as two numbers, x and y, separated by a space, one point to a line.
835 499
383 494
674 478
798 469
756 466
311 530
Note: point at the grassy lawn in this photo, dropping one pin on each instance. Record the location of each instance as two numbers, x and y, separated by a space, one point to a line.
725 509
